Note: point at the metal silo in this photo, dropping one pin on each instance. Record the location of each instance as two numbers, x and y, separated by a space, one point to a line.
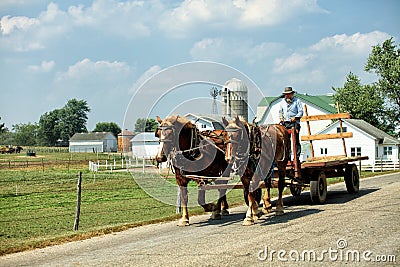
234 99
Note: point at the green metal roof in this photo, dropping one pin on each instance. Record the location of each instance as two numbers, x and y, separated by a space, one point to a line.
323 101
90 136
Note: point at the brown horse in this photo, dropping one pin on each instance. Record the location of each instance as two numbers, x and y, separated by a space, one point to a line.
253 151
193 153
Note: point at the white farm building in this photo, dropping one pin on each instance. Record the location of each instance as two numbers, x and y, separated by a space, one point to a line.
145 145
367 140
93 142
205 122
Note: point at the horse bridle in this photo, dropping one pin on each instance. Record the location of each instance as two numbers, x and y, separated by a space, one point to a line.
194 140
240 157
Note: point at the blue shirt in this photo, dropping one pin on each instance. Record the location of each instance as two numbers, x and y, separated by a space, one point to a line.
291 110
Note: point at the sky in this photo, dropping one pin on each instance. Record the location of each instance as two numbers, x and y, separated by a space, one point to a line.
131 59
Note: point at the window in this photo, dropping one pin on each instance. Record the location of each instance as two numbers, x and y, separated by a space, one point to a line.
344 129
387 150
203 126
324 151
355 151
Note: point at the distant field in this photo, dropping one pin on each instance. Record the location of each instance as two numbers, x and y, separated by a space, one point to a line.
37 204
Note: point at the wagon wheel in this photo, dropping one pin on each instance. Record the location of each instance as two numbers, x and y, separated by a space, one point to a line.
318 187
258 195
295 190
352 178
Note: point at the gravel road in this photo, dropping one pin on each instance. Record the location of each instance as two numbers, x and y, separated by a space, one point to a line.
359 230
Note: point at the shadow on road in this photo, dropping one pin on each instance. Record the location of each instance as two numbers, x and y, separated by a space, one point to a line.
297 209
287 216
333 197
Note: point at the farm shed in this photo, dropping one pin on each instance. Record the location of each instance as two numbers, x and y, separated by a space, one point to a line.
206 121
124 139
93 142
145 145
367 140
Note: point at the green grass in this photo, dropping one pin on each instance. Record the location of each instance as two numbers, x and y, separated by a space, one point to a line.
37 208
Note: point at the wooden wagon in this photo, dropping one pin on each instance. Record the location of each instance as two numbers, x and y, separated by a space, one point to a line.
314 171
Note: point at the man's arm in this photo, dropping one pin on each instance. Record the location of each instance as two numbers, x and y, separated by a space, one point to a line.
299 109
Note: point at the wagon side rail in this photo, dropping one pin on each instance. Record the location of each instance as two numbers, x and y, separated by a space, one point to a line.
312 137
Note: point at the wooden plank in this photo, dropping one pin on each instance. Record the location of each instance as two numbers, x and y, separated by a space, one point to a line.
326 136
198 177
331 162
309 131
326 158
326 117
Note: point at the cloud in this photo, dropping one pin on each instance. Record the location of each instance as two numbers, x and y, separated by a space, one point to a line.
24 34
129 19
45 66
144 77
228 49
86 70
292 63
357 43
329 60
238 14
9 24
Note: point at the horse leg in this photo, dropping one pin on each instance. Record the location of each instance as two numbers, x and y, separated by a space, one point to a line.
252 210
267 207
201 199
223 202
281 186
224 205
216 214
184 221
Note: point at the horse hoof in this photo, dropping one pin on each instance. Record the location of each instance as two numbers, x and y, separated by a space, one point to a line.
248 222
183 222
215 216
224 212
279 212
255 218
267 210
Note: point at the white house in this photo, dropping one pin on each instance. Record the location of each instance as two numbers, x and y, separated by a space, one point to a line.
93 142
268 110
367 140
145 145
206 121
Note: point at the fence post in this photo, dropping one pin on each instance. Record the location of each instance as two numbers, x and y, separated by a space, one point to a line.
78 202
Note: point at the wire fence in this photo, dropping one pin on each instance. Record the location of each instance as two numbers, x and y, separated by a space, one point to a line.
38 198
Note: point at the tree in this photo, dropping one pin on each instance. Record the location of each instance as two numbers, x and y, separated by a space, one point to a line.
384 60
108 127
49 130
145 125
2 128
61 124
362 102
73 118
25 134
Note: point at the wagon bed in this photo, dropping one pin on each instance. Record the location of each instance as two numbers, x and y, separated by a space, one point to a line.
325 162
313 172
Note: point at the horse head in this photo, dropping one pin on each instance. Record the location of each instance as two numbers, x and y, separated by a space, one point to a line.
237 150
171 133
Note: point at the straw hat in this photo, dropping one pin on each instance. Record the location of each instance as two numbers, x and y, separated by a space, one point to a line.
288 90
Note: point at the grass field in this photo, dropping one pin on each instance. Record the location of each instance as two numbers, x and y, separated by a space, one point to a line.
37 205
